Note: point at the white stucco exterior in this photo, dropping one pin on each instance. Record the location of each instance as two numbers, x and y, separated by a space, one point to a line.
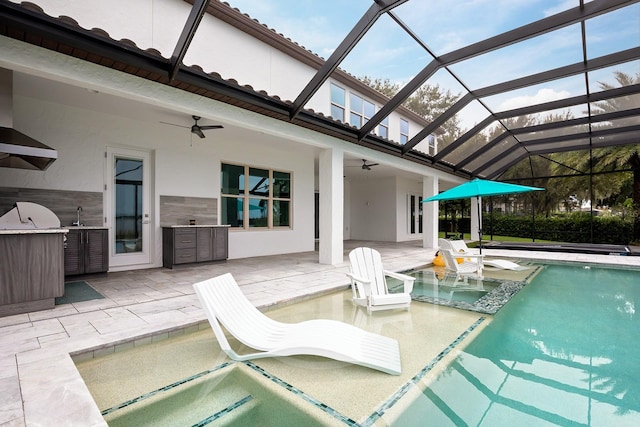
82 109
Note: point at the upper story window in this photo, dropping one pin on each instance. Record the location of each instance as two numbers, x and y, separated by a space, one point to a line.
338 102
360 109
383 128
431 139
404 131
255 198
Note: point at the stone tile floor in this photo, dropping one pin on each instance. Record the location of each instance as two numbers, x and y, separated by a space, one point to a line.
39 382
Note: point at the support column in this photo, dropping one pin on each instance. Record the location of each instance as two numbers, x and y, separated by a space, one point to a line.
331 189
430 213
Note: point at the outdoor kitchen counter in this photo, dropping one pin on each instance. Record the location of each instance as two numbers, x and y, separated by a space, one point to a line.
196 226
31 269
36 231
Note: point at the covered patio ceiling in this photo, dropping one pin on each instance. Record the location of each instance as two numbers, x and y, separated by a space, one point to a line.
557 61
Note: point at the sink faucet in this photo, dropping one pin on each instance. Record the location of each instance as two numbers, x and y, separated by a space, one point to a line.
78 213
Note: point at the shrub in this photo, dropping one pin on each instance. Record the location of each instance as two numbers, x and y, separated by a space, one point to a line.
574 228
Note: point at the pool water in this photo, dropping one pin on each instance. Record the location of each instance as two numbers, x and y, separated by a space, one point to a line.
480 294
564 351
449 287
225 396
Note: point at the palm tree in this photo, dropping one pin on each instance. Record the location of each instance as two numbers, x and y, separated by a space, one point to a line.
625 156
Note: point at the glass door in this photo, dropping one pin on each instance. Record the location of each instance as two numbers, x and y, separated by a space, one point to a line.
415 214
129 207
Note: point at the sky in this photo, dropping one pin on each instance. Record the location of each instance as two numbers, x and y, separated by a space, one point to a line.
388 52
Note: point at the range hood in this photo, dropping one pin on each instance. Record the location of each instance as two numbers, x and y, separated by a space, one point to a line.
18 150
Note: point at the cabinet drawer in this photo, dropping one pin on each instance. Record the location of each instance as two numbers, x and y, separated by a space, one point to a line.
185 239
184 255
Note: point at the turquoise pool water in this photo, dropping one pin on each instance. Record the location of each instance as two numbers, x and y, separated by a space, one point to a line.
448 287
480 294
564 351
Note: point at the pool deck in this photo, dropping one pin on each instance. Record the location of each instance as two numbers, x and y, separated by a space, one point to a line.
40 384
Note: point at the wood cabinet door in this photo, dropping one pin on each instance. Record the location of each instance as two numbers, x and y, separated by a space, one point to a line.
73 253
95 251
220 243
204 244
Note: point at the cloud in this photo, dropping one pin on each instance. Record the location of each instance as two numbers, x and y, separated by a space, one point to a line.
543 95
561 7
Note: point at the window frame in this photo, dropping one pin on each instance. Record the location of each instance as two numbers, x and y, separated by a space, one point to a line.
431 140
383 128
335 104
361 114
245 195
404 136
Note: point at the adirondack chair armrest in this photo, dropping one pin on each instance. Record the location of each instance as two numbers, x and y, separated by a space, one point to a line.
355 278
408 280
359 287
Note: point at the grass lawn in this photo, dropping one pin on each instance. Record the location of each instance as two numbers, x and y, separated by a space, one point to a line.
502 239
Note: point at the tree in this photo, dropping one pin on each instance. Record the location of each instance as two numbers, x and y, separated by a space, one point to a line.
429 101
384 86
622 156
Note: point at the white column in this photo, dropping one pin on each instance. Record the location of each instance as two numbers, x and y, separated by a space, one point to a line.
475 219
429 213
331 189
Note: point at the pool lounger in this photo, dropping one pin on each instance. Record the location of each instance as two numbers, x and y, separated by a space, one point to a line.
225 304
503 264
459 247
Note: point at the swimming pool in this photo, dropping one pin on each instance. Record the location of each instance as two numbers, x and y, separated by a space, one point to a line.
564 351
481 294
560 353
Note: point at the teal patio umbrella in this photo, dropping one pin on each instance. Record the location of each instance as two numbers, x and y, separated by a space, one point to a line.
479 188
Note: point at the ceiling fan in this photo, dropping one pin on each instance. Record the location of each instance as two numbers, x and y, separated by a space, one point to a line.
196 128
367 167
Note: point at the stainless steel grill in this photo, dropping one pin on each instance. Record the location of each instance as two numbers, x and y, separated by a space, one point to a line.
27 215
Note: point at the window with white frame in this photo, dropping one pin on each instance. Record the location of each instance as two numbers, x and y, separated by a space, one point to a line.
383 128
338 102
431 139
404 131
360 110
254 197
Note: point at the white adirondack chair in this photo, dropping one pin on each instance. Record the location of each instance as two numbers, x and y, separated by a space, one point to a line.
369 283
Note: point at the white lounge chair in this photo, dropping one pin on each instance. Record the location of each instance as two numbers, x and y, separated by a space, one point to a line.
369 282
225 305
459 246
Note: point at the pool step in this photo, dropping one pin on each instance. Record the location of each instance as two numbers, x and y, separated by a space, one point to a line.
202 401
233 396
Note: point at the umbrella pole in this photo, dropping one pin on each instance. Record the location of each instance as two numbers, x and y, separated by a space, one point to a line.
479 223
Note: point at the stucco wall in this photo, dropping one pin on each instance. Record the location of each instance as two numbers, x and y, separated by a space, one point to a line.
80 124
371 215
216 47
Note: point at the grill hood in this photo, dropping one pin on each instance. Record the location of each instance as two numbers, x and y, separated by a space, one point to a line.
18 150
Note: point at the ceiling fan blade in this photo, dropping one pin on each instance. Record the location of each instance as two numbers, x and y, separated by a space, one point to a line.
211 127
173 124
373 164
196 129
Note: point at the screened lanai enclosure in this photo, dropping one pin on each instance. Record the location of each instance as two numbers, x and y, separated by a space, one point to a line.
543 93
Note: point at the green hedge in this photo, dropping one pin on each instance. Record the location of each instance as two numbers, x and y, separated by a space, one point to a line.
574 228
